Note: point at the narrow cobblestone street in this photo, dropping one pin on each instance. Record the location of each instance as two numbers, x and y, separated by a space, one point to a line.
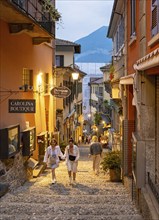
94 197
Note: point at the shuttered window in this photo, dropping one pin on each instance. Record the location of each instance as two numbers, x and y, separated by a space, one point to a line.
133 17
119 36
155 17
59 60
27 77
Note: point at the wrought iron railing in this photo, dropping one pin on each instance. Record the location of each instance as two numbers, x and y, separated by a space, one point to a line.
33 9
154 187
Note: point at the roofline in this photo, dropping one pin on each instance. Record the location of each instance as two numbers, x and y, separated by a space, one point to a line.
77 47
111 18
115 12
73 69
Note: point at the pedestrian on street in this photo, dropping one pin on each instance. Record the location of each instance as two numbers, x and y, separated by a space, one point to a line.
51 157
95 152
72 155
80 139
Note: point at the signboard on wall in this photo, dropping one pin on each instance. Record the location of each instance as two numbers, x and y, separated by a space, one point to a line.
22 106
61 92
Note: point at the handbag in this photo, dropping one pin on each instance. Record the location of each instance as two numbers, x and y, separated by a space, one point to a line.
72 158
51 160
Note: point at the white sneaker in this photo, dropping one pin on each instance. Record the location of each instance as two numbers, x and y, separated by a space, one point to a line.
54 181
74 182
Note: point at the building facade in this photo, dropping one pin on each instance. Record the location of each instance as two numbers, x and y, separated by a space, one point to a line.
71 118
138 89
27 114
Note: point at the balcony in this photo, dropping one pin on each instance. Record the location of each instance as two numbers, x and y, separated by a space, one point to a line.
27 16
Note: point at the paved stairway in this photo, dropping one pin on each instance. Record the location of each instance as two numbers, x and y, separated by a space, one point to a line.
94 197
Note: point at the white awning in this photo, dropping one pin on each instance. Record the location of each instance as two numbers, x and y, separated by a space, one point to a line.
127 80
148 61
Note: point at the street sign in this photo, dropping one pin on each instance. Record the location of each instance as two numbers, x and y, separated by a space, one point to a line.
60 92
22 105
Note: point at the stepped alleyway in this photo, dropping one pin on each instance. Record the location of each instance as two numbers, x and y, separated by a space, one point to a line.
94 197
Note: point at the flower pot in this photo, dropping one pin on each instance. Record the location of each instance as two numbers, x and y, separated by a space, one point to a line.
115 175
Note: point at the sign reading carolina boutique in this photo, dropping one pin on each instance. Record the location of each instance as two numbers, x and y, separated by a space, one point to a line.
21 106
60 92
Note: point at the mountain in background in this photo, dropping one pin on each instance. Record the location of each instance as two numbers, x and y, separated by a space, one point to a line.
95 48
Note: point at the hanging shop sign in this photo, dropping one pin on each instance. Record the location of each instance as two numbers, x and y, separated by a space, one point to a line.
60 92
22 106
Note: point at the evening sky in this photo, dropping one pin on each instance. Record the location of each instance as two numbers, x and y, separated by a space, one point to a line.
82 17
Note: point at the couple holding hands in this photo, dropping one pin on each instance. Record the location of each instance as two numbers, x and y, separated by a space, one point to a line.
71 156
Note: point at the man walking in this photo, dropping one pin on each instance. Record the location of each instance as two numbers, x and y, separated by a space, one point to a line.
95 152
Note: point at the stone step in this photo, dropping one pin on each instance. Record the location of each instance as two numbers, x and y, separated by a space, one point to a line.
38 170
17 208
69 217
61 199
94 197
79 189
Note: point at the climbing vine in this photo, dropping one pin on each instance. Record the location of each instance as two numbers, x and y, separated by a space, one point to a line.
47 6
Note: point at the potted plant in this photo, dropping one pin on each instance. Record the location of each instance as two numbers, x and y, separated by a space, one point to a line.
112 163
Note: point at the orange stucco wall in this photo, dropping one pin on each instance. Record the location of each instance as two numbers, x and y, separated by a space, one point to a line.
133 49
18 52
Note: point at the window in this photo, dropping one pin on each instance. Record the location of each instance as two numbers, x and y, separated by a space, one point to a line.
119 36
133 17
101 91
27 77
9 141
59 60
155 17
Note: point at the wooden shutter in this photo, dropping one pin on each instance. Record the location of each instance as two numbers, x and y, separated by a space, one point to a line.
59 60
155 17
133 17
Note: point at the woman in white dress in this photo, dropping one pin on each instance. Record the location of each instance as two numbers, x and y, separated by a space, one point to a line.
52 154
72 156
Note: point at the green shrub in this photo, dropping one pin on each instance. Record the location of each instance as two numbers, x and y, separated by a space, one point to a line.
112 160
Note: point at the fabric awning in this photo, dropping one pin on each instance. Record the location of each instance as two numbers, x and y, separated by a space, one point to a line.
69 115
127 80
148 61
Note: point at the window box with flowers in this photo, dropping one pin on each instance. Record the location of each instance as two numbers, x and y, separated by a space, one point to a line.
47 6
111 72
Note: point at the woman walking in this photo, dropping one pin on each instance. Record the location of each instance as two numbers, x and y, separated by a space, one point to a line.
52 154
72 156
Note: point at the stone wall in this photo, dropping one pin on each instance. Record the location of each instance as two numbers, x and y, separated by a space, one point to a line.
150 158
13 171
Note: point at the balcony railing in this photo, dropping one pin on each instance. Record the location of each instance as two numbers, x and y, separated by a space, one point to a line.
33 9
154 187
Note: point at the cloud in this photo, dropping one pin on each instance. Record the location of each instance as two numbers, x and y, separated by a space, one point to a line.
82 17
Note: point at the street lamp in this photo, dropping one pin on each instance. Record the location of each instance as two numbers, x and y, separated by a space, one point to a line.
89 120
75 77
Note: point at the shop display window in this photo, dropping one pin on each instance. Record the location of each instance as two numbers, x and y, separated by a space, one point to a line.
28 141
9 141
42 139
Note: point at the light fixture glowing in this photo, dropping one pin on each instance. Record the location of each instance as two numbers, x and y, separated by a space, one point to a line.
75 76
39 79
